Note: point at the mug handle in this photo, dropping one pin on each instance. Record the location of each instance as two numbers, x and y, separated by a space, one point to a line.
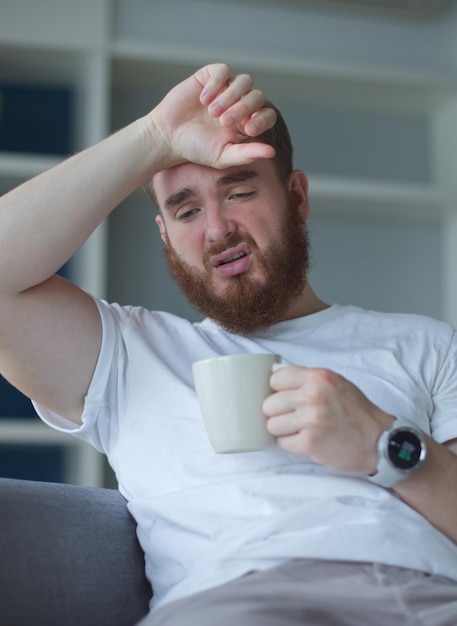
278 366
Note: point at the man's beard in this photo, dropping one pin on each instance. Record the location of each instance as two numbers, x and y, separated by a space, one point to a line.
247 306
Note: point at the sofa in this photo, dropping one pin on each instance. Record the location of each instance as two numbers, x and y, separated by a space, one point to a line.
69 556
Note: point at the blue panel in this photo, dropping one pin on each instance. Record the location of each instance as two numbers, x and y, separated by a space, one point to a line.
32 462
35 118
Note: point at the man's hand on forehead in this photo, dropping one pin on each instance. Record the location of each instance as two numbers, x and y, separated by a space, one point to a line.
212 119
236 101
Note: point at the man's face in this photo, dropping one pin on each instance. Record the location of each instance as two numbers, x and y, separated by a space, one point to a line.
235 241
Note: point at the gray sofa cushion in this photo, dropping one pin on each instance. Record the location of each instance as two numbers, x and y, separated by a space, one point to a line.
69 556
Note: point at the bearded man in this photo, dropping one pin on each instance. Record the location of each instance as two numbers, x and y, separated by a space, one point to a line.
352 517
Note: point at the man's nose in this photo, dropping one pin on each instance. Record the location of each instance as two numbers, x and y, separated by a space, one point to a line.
218 224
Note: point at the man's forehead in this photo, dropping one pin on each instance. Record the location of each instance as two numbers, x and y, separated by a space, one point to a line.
192 175
180 173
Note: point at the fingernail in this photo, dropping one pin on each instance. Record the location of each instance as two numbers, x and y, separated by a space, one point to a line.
204 96
254 127
215 109
230 119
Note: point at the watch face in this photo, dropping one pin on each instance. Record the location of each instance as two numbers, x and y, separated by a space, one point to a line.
404 449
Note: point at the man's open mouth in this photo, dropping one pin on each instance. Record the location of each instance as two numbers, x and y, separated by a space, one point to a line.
233 261
235 257
230 255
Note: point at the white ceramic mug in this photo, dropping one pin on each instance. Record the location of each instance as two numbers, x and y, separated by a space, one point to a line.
231 390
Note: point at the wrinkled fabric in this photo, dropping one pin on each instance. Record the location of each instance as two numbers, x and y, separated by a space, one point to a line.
205 518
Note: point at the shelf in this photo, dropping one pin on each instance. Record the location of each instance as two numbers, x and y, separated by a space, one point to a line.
375 198
305 79
24 166
83 464
42 64
33 432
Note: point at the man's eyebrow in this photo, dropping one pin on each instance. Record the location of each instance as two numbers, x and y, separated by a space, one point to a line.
236 177
190 192
180 196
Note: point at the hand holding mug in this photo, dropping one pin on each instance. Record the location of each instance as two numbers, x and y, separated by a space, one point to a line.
321 414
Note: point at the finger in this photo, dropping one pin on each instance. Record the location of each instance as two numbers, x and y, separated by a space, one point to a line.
259 122
289 377
242 108
237 88
281 403
284 425
213 78
245 153
293 443
249 115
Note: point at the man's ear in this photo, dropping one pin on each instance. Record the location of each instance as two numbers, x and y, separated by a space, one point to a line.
297 184
162 229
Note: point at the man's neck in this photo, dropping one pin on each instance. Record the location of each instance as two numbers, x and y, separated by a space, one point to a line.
306 303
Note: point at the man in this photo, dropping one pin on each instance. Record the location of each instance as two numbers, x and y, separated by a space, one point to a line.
323 528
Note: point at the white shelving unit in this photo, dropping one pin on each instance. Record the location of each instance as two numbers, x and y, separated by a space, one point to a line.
59 43
99 48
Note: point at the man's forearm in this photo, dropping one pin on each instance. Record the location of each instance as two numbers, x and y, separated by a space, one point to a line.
431 490
44 221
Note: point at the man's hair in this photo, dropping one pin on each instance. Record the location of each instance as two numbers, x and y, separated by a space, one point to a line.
278 136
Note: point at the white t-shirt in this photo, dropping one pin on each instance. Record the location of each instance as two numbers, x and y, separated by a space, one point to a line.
205 518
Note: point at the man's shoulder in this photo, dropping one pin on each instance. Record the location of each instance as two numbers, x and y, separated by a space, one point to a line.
381 323
141 320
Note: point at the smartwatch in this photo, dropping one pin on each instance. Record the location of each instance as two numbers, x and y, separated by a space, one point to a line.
401 451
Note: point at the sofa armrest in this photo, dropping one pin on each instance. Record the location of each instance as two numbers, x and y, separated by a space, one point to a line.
69 556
